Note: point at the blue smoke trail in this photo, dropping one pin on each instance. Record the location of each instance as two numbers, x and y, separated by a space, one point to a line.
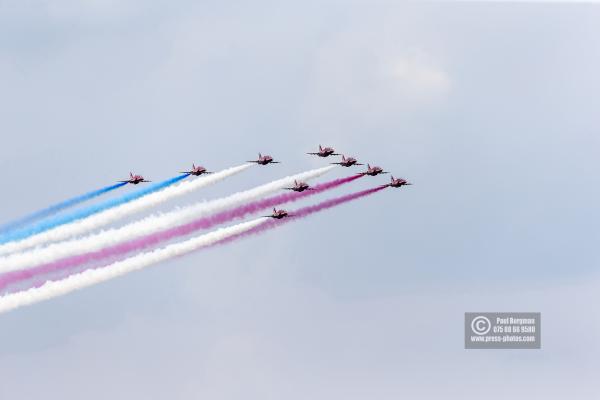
85 212
47 212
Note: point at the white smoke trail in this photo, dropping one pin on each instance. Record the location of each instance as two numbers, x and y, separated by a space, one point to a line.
106 217
148 225
90 277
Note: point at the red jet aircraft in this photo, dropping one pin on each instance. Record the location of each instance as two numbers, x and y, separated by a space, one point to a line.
197 171
299 186
135 179
278 214
264 160
347 162
325 152
396 183
372 171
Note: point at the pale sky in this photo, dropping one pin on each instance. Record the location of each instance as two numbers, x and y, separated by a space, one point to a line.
490 109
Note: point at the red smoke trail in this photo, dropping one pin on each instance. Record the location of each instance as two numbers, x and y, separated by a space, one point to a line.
143 242
302 213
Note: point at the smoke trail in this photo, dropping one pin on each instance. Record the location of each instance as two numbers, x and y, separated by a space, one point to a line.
157 222
114 214
168 234
303 213
91 277
47 212
86 212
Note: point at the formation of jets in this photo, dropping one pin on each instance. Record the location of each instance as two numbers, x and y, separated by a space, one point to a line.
298 186
345 162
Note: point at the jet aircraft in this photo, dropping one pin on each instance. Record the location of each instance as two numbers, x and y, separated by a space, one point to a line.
372 171
325 152
196 170
347 162
299 186
278 214
264 160
397 182
135 179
